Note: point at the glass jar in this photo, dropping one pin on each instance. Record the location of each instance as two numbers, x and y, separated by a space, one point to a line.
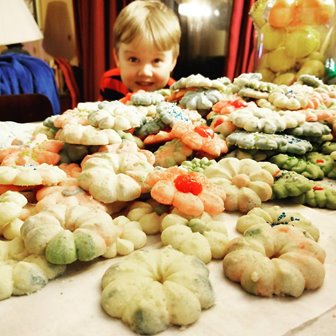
293 38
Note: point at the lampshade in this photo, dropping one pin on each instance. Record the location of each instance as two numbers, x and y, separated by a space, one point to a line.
17 24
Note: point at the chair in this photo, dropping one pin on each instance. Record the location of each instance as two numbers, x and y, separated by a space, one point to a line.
25 108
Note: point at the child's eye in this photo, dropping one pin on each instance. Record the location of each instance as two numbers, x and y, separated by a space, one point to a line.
132 59
157 60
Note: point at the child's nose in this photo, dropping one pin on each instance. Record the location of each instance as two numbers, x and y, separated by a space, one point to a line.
146 70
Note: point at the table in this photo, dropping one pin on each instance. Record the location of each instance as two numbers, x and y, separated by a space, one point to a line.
69 305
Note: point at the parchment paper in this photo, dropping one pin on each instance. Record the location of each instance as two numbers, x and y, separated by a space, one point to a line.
69 306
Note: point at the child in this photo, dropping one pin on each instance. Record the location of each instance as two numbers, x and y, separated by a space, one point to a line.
146 37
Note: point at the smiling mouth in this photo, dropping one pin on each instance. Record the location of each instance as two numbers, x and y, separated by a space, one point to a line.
144 83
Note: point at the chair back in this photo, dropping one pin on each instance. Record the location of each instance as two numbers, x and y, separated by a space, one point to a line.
25 108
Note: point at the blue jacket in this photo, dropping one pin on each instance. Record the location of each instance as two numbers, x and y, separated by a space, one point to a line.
20 73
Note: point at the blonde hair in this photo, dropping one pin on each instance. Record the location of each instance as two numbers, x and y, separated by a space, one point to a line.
151 20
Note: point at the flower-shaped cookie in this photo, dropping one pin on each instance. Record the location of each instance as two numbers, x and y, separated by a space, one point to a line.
64 234
322 194
255 154
275 215
87 135
301 165
115 115
111 177
167 114
201 100
221 124
256 119
296 97
282 143
200 81
25 176
250 85
78 115
72 153
310 129
67 193
131 237
290 184
172 153
23 273
150 290
197 165
190 192
148 214
321 115
246 183
219 116
128 146
325 162
229 104
200 138
146 98
11 205
34 152
170 113
203 236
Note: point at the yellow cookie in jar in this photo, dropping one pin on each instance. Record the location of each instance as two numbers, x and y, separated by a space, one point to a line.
282 13
316 12
302 41
267 75
287 78
278 60
262 67
272 37
315 55
312 67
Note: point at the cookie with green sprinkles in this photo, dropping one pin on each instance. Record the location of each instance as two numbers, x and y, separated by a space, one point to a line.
197 165
290 184
325 162
322 194
282 143
300 165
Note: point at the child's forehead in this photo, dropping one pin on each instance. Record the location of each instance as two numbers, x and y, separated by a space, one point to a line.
141 40
140 44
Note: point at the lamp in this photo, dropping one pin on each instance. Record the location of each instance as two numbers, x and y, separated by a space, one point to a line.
17 25
195 9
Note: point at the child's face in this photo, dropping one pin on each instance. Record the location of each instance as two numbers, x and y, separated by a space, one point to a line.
143 67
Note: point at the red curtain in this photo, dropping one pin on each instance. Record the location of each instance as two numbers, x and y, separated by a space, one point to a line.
94 23
241 44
